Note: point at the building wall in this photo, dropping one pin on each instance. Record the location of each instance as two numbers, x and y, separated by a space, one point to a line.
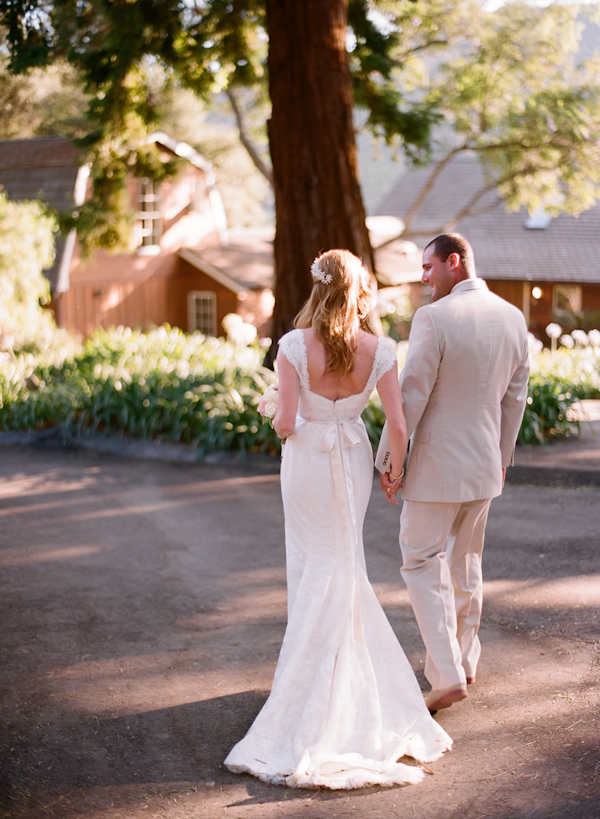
153 292
539 308
135 296
591 297
510 291
139 289
188 279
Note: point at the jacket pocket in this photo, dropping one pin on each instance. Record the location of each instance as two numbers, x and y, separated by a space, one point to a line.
421 436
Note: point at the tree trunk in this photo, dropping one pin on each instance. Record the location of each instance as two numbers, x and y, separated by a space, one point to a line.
318 201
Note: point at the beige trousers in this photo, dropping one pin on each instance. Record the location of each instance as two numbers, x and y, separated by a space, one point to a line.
441 547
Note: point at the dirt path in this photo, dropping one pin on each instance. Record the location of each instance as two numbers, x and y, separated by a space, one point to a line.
143 606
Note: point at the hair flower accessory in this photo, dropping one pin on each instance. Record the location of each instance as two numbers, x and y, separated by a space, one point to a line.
319 274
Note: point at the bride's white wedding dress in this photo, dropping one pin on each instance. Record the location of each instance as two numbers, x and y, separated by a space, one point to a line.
345 704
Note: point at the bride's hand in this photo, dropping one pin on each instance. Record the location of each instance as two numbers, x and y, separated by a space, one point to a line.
390 487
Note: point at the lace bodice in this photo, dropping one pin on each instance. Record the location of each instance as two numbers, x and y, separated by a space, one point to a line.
315 407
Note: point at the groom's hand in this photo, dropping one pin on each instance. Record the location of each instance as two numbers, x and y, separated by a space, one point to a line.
389 487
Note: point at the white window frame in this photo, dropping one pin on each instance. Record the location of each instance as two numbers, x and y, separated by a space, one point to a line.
149 216
205 319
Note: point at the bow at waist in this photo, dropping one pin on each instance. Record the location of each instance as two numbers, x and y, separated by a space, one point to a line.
349 432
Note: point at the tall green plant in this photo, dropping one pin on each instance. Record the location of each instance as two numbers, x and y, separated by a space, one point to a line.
26 249
546 414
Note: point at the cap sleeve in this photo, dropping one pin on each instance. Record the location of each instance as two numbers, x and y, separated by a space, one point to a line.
385 359
294 349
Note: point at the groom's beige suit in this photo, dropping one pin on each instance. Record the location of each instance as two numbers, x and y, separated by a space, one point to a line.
464 388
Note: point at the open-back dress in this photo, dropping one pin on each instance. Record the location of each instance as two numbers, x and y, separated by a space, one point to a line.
345 705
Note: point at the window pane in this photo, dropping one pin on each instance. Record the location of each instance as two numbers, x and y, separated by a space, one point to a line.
150 226
202 312
568 297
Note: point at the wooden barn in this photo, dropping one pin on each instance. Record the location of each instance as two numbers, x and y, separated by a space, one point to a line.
185 269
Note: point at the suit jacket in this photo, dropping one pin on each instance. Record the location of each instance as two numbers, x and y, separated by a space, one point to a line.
464 389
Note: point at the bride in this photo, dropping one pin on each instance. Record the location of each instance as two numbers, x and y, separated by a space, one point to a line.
345 706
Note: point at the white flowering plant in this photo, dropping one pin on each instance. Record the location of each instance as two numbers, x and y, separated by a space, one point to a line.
239 332
560 378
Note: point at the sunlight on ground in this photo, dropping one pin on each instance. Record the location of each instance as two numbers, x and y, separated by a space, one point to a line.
567 592
243 607
18 557
123 686
45 484
256 577
200 491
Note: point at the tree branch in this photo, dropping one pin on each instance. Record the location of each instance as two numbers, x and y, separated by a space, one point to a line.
250 147
427 44
469 208
420 200
427 187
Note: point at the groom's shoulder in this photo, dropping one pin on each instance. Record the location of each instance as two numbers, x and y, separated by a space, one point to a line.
433 309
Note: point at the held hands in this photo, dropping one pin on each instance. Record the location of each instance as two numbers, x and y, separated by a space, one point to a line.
390 485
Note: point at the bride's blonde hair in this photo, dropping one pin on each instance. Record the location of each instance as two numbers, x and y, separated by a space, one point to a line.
340 297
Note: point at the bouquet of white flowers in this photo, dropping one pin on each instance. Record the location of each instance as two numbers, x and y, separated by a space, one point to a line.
267 406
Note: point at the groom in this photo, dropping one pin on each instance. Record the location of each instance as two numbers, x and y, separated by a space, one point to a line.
464 388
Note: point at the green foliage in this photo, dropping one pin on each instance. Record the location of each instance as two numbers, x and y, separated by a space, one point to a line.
209 47
222 44
559 379
396 311
163 385
575 371
517 94
546 414
118 49
43 102
106 220
374 419
506 84
26 249
576 319
375 65
168 386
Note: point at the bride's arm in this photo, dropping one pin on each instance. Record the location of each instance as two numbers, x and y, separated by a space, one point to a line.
288 392
391 398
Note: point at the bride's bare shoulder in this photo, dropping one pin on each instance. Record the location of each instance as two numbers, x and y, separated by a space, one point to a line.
368 343
371 340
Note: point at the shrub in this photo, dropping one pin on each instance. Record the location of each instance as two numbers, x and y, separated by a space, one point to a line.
170 386
559 379
546 413
162 385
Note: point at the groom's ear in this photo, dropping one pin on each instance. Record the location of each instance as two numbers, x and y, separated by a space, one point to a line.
453 260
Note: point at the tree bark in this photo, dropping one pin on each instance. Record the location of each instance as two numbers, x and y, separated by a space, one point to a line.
318 202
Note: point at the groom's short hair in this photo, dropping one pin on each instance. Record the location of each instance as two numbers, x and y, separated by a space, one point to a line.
447 243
